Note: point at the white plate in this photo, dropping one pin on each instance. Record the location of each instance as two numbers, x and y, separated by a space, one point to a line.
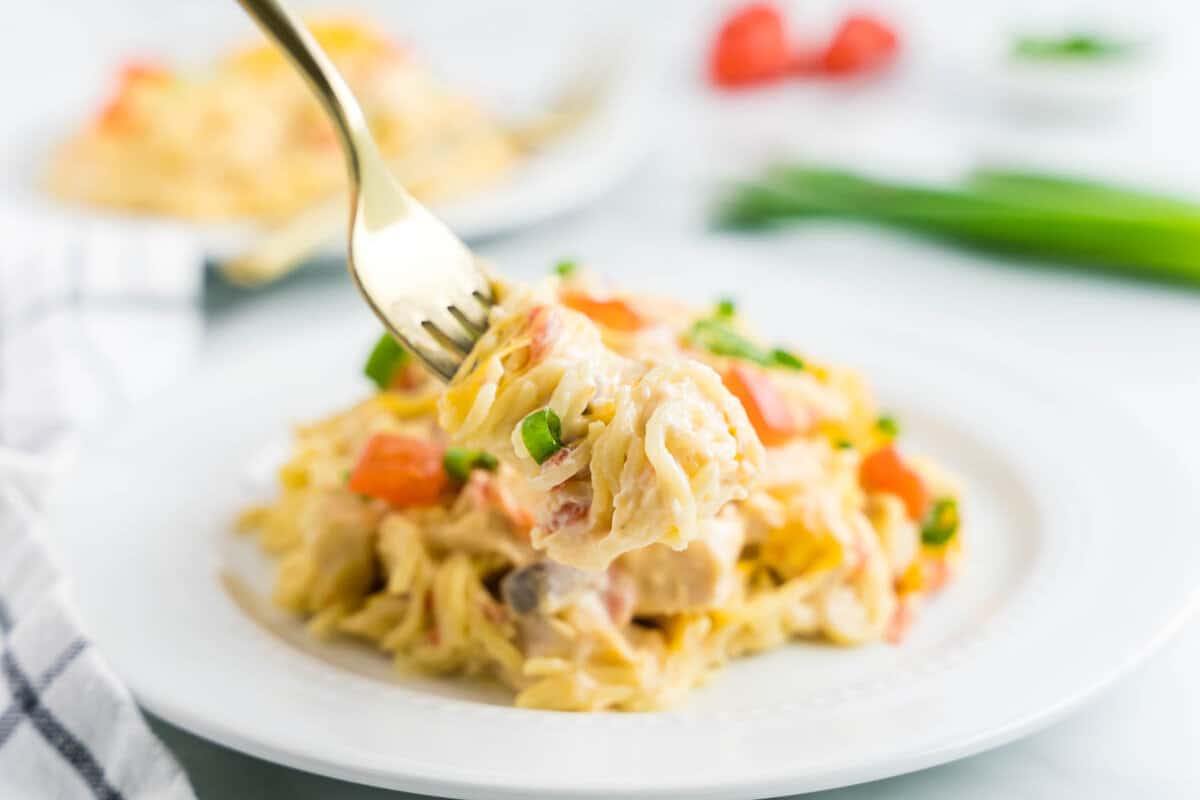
1082 558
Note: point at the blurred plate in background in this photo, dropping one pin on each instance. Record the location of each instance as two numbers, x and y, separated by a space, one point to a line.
479 53
560 177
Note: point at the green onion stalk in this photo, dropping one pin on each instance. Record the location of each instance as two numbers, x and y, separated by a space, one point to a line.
1036 216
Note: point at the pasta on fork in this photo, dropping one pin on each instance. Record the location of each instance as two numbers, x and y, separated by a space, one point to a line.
621 452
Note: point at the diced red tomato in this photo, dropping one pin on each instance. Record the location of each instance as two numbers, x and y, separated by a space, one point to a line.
765 406
885 471
113 115
902 618
861 44
611 313
544 326
402 470
116 113
751 47
134 71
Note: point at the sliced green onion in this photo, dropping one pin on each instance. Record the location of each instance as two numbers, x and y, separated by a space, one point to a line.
1074 46
565 268
726 308
844 444
942 522
459 461
386 359
717 337
782 358
888 426
541 432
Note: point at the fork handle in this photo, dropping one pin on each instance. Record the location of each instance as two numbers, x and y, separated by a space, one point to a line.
298 44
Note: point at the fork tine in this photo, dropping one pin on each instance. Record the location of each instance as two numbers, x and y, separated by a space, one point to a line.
430 350
484 295
475 327
472 310
445 328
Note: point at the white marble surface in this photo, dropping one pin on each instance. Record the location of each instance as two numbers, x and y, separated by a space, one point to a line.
1137 343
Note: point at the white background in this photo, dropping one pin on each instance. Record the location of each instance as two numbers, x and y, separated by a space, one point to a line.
943 109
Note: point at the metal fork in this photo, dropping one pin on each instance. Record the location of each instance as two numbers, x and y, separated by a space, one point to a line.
418 277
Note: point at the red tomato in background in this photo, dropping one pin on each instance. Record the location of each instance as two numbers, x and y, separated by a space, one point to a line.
861 44
751 47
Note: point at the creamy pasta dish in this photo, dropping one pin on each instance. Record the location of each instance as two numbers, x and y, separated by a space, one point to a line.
247 140
614 496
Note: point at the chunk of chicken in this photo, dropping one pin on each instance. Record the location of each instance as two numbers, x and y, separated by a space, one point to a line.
701 576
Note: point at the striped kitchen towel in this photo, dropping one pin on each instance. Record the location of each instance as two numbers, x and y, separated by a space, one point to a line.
93 316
